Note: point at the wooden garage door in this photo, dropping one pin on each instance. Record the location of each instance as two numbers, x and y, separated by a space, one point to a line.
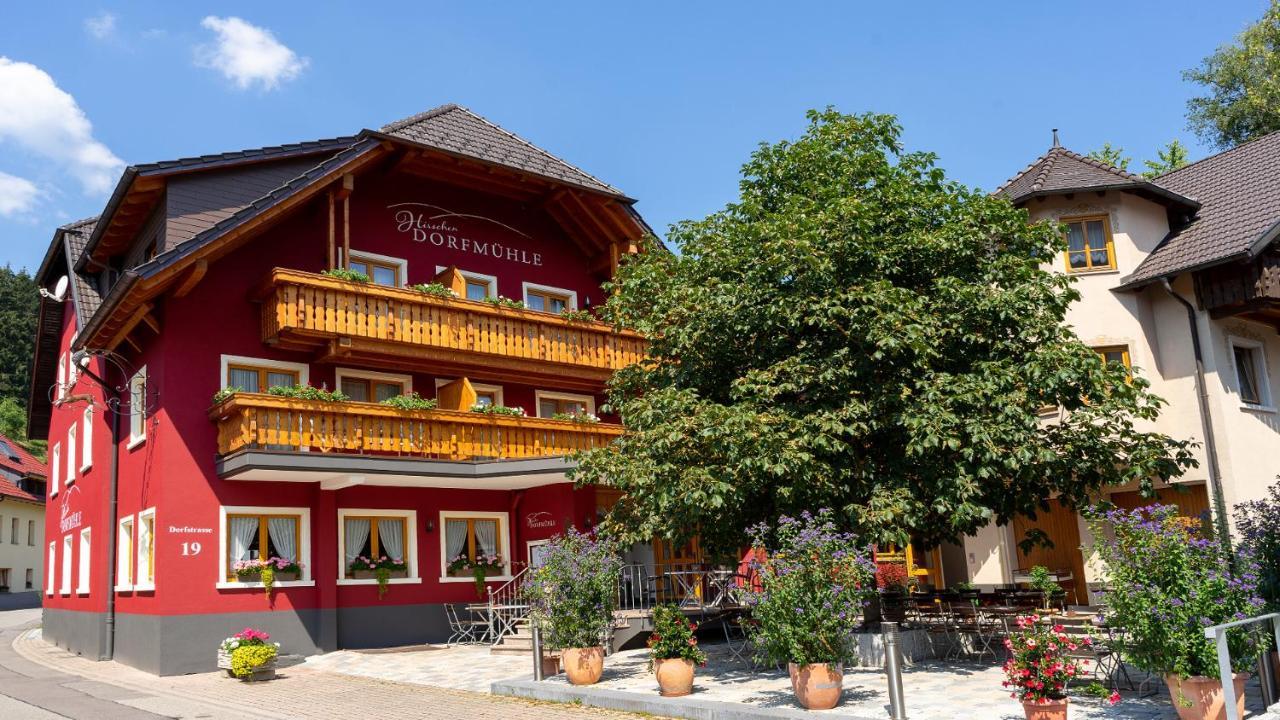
1059 524
1192 500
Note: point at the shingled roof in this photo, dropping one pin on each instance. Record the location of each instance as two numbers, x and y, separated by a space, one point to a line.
457 130
1240 189
1060 171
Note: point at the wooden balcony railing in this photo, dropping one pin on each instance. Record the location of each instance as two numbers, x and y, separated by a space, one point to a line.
267 422
397 327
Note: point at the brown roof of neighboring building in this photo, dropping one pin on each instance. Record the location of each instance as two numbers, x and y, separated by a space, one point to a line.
1060 171
456 129
1240 189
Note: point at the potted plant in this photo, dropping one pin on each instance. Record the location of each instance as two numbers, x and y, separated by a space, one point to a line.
965 590
894 585
381 568
267 572
1040 580
1258 522
480 568
572 596
1039 668
674 651
248 656
813 582
1168 582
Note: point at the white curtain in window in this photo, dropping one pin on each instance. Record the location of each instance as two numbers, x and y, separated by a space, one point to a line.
246 380
455 533
283 535
242 530
487 537
391 537
357 531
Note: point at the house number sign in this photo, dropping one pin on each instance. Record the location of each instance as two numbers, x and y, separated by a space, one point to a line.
190 548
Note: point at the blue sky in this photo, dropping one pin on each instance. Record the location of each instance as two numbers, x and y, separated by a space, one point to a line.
664 100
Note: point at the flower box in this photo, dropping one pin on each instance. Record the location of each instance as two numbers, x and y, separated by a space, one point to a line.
265 672
256 577
372 574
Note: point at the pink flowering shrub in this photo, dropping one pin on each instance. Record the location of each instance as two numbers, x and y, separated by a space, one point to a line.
1039 668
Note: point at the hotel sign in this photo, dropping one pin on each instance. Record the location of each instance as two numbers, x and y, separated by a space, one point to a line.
539 520
69 520
426 223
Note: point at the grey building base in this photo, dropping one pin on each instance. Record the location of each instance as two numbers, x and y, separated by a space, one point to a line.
24 600
689 706
182 644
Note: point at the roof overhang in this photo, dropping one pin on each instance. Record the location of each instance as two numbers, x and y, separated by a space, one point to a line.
332 471
1147 191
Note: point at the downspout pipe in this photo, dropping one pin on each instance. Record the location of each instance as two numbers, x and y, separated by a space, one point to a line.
109 650
1206 420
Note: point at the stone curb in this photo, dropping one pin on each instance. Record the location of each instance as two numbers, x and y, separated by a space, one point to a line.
691 708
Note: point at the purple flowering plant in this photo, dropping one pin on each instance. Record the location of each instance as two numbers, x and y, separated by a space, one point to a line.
814 581
1258 522
574 592
1166 583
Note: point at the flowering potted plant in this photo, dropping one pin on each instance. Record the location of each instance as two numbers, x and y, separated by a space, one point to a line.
1167 584
381 568
813 582
247 655
572 597
893 585
1259 524
674 651
480 568
267 571
1041 580
1039 668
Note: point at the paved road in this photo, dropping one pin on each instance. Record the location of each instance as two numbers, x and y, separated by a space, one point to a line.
41 682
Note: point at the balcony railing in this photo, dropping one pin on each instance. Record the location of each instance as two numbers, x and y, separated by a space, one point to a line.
399 326
267 422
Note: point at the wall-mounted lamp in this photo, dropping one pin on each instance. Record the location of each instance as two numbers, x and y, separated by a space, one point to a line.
431 526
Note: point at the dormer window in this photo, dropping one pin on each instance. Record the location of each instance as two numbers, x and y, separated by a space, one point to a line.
1089 246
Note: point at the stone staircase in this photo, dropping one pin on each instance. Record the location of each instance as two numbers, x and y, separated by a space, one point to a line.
519 642
627 626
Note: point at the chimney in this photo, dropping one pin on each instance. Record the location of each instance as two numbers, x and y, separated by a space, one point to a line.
1055 138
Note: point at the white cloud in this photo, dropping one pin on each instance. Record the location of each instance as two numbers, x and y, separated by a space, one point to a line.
247 54
17 195
101 26
42 118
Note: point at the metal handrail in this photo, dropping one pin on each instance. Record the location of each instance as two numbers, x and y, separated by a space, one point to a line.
510 596
1218 634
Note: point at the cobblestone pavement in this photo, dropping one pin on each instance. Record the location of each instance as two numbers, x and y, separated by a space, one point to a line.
467 667
301 693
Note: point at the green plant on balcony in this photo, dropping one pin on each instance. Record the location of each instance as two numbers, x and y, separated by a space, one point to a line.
579 416
411 401
354 276
225 394
497 410
434 289
307 392
505 302
578 316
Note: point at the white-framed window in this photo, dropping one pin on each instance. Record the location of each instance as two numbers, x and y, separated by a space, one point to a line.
55 467
253 374
145 553
485 394
86 439
1253 385
381 269
473 534
82 580
124 554
247 532
551 403
369 386
368 533
49 567
71 454
62 376
65 588
138 408
478 285
545 298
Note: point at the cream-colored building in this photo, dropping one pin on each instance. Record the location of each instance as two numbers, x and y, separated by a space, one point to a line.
22 492
1183 266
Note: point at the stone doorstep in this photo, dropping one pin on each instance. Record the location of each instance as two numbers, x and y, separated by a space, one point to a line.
688 706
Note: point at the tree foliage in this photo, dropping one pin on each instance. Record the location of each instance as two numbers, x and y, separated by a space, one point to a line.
1169 158
1242 86
858 332
19 305
1112 156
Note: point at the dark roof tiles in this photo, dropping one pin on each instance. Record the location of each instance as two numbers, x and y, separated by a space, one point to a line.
1060 171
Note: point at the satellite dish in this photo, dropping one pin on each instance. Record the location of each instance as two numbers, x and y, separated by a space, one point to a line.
60 289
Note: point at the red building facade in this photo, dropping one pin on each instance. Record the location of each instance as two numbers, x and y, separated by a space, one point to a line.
203 299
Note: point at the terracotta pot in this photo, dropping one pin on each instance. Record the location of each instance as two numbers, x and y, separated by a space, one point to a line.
584 666
1200 698
1052 710
817 686
675 676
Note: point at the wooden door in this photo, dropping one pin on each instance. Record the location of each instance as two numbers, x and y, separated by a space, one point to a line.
1061 527
1192 500
668 557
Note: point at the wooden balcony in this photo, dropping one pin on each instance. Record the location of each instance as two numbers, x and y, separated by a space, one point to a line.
1250 290
255 421
398 328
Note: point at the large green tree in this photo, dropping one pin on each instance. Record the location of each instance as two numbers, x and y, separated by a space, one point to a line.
1242 86
858 332
19 304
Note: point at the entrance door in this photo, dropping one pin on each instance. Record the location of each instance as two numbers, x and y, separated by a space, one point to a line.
1061 527
668 558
